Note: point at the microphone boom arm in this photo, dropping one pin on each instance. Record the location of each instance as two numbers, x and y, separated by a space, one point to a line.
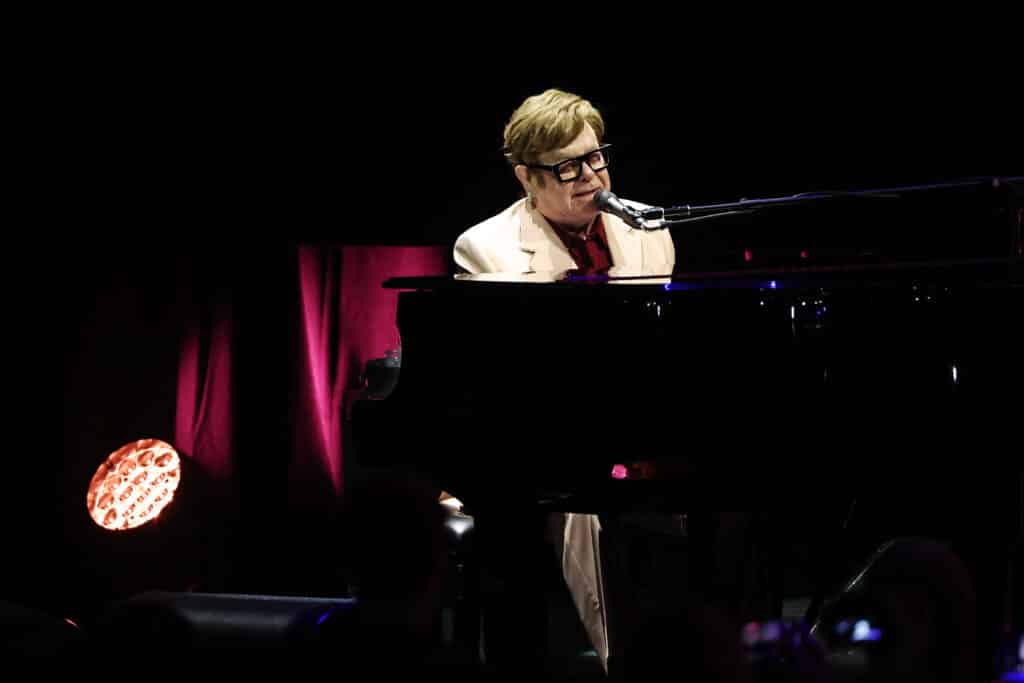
657 218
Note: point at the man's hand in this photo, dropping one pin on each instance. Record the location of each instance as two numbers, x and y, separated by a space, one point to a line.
450 501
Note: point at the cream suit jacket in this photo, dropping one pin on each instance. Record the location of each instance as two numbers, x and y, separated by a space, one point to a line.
520 240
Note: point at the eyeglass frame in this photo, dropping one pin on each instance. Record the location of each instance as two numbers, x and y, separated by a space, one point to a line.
582 159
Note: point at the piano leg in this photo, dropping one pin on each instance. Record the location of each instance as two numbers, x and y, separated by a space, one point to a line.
516 568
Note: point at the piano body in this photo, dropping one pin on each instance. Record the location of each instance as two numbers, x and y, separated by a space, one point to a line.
776 385
806 385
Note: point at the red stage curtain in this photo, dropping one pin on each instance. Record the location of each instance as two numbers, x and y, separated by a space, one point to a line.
347 318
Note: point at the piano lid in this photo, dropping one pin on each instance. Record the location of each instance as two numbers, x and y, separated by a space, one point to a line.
1008 271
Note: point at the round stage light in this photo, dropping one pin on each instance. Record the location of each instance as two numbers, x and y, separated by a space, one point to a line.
134 484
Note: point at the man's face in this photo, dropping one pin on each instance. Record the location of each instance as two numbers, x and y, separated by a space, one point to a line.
570 204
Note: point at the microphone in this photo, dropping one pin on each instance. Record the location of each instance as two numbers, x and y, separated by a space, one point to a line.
606 201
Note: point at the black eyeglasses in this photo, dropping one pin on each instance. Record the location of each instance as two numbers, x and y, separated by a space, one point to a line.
570 169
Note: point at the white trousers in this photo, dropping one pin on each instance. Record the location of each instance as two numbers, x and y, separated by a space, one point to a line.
579 549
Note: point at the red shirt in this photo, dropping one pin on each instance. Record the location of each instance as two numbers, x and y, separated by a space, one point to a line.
589 251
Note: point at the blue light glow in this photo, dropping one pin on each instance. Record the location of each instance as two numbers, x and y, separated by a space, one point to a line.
862 631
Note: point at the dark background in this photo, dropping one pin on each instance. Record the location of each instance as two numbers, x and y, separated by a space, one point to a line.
296 140
170 169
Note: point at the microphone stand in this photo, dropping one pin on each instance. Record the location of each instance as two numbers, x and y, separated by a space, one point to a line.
658 218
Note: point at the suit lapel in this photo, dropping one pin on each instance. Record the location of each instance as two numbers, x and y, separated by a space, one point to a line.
538 239
625 243
547 253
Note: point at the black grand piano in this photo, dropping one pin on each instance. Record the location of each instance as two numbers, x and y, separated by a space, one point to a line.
886 377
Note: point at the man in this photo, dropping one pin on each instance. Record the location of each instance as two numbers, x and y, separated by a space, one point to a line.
554 143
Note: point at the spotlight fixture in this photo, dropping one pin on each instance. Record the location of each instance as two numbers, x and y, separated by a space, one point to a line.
134 484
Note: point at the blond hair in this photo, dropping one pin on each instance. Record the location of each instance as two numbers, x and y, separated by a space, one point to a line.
548 121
